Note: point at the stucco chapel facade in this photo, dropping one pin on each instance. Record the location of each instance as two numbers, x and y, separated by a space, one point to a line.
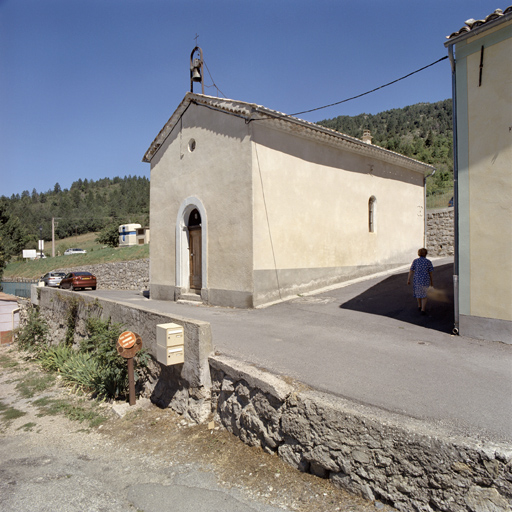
249 205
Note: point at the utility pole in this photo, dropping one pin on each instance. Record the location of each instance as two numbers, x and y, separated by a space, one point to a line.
53 237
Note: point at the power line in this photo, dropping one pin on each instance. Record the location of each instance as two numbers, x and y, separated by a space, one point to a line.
347 99
213 81
368 92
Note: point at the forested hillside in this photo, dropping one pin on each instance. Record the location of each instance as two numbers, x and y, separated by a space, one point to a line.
422 131
87 206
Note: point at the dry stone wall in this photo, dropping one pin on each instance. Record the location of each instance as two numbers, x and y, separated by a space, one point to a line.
397 460
440 232
119 275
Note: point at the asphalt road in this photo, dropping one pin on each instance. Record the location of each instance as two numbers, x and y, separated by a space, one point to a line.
367 342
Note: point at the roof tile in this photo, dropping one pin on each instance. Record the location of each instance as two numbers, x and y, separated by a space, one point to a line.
472 24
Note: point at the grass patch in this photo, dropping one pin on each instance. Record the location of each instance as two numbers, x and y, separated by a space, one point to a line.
439 200
53 407
33 384
28 427
36 268
8 362
10 413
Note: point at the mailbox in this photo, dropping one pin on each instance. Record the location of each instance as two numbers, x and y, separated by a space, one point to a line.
170 344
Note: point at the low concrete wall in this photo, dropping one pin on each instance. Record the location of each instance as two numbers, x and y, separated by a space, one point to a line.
409 464
440 232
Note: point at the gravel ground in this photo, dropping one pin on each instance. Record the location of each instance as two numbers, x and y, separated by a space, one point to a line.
147 460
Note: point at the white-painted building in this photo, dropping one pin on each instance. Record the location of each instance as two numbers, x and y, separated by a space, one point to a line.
128 234
249 205
480 53
9 317
142 236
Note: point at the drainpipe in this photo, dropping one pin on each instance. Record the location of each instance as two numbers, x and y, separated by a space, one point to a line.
425 207
455 198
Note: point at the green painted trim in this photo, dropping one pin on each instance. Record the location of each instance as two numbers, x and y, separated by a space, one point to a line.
463 187
463 50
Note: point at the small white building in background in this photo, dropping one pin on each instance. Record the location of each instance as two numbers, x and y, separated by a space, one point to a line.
128 234
249 205
9 317
142 236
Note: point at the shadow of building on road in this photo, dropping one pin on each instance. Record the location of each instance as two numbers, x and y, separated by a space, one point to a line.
393 298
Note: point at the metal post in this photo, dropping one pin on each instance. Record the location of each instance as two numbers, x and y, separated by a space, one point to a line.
131 380
40 241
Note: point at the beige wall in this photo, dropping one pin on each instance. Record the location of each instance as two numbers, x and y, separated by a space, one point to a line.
221 181
282 213
490 181
311 202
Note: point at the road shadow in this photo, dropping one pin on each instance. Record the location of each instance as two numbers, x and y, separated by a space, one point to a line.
393 298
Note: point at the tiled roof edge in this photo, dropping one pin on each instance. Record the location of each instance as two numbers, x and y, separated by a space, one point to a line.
472 25
248 110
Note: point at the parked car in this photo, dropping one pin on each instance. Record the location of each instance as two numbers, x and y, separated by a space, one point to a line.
67 252
53 278
76 280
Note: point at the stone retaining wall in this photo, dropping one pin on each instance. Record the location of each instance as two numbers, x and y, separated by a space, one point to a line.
440 232
119 275
397 460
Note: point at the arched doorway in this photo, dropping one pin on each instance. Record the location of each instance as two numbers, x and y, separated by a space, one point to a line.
191 249
195 250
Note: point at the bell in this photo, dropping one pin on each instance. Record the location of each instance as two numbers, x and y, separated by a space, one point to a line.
196 76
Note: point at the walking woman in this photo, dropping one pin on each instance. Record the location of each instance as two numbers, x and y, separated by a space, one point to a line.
421 274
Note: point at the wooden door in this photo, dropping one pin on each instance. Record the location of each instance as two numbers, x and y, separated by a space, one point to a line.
195 258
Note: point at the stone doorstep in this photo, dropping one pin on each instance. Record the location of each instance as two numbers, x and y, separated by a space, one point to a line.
189 297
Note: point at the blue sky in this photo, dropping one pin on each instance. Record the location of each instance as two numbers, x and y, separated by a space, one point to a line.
86 85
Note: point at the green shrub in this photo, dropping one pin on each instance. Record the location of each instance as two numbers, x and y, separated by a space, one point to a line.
82 370
96 367
112 370
34 336
109 235
53 359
